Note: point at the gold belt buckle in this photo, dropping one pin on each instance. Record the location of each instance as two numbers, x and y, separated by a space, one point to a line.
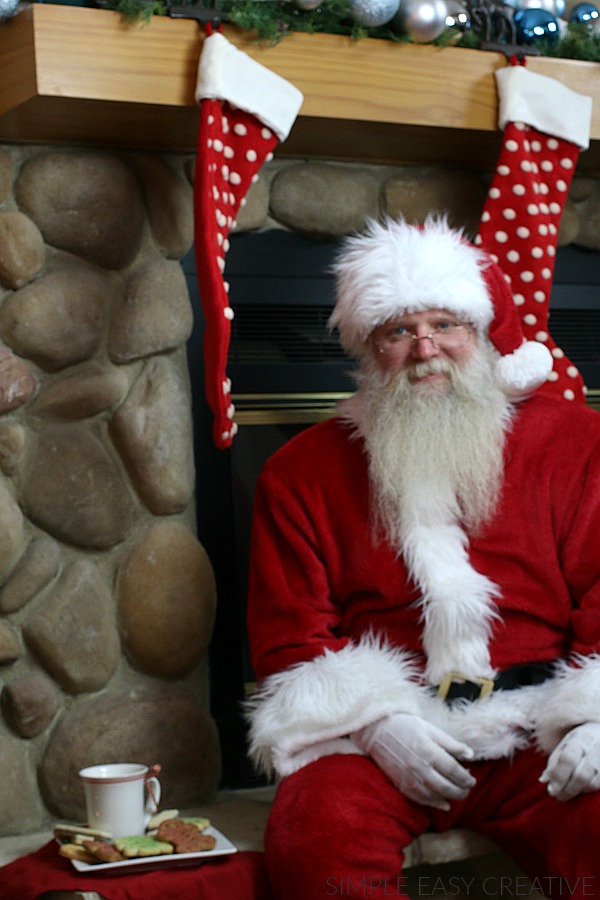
486 685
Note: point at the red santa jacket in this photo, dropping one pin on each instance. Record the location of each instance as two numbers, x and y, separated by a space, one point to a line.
335 625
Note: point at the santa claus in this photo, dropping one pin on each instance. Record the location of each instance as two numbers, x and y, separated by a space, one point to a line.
424 608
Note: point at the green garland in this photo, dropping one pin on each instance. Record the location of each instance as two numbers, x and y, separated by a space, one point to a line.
272 20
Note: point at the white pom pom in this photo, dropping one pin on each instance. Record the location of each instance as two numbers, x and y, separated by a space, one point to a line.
525 369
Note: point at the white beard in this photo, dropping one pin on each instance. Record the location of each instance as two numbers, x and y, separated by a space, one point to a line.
435 454
435 449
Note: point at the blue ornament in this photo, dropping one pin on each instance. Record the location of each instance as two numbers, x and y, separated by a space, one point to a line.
584 14
556 7
536 25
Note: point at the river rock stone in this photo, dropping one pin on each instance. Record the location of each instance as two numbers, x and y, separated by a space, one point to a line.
22 251
29 704
154 315
324 200
85 393
568 228
254 209
12 441
10 647
78 615
73 490
581 188
155 723
417 194
589 220
20 806
153 433
17 382
166 595
169 204
6 175
36 568
59 319
12 530
87 203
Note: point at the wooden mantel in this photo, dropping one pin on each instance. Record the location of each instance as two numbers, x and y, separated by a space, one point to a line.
77 75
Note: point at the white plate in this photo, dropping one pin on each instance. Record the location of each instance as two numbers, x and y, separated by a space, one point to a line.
223 847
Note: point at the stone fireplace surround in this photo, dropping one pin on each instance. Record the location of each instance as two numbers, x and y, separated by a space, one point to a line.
107 597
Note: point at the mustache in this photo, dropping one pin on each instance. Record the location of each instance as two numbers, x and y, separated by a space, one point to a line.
435 366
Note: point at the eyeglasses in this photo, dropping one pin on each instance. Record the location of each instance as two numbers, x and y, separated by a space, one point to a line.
445 336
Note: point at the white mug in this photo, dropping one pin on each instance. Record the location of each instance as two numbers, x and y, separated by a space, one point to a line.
120 798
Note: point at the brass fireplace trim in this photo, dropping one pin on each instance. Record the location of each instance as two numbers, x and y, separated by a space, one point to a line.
308 408
593 399
286 409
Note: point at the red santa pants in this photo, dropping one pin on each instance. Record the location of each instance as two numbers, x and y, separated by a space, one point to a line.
338 826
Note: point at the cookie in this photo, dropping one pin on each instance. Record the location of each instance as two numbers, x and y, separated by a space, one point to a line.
184 836
82 832
199 821
76 851
161 817
142 845
103 851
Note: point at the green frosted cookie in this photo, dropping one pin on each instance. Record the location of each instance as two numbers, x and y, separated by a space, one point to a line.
142 845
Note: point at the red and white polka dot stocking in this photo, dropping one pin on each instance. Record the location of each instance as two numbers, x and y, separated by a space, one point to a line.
545 126
245 110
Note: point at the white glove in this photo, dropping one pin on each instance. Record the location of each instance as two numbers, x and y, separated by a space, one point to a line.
419 758
574 765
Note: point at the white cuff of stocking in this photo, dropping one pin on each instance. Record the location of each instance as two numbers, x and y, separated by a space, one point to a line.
544 103
226 73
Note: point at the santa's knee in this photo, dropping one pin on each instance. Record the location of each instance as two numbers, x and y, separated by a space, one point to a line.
331 828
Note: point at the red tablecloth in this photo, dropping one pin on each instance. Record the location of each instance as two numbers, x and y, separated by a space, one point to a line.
241 876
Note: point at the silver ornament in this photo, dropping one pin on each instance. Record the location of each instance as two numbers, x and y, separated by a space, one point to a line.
308 4
457 16
373 13
8 8
421 20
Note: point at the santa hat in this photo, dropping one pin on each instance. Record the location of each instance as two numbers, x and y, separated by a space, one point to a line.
396 268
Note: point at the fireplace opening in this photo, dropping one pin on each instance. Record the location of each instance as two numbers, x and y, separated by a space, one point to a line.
287 373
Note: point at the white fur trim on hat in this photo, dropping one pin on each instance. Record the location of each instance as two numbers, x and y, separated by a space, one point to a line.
397 268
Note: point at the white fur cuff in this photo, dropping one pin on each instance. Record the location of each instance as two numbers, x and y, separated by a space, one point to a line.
543 103
307 711
572 698
226 73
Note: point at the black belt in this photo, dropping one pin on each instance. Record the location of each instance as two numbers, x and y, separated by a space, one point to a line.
459 687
